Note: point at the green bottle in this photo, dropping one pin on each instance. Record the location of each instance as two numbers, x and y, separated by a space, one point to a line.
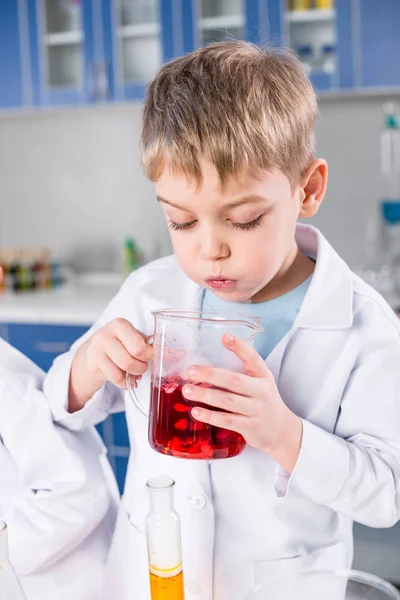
130 256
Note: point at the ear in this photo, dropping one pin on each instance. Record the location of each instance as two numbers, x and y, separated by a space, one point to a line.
313 187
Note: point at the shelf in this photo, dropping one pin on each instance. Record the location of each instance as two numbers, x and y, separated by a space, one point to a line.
63 38
139 30
310 16
224 22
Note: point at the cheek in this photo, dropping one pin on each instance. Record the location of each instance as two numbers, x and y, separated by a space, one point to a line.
266 250
183 247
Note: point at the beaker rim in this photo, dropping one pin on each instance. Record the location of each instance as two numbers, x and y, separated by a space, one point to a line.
211 317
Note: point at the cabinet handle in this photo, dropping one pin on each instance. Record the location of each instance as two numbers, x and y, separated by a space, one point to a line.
52 347
100 81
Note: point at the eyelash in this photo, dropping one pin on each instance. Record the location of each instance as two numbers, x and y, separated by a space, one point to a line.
243 226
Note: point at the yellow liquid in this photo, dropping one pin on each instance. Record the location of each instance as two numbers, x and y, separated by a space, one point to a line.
167 588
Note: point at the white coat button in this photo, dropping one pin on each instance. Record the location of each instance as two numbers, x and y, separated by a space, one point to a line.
198 501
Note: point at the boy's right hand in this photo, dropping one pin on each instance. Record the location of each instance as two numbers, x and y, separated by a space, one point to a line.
114 350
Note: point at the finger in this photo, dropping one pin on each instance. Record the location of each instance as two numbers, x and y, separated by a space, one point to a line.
220 419
254 364
111 372
226 401
120 357
223 378
133 340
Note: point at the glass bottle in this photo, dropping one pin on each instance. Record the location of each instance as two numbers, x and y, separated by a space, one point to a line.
390 164
163 534
390 206
10 588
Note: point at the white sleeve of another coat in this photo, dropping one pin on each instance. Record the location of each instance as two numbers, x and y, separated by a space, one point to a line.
356 471
63 492
109 398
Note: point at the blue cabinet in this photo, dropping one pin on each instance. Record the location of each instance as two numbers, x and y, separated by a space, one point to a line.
138 37
70 52
43 343
380 43
323 39
13 84
62 49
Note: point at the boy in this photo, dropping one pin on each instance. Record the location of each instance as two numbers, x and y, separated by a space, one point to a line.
228 140
57 493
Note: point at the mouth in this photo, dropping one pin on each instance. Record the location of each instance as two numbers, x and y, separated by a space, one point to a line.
220 283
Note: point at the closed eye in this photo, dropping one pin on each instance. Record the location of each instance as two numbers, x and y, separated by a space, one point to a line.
250 225
180 226
189 224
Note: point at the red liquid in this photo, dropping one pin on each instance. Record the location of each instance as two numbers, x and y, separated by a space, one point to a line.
173 430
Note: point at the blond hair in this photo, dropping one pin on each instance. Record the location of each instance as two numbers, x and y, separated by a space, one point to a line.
234 105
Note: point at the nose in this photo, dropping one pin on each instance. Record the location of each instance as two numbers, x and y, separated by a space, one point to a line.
213 246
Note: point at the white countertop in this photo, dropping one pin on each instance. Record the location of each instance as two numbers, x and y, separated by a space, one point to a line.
80 301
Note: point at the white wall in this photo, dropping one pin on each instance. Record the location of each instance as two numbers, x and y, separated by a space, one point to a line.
71 179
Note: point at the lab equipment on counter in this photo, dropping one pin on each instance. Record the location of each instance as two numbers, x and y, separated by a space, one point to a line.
25 270
164 546
326 585
10 587
390 204
381 261
390 164
131 256
182 339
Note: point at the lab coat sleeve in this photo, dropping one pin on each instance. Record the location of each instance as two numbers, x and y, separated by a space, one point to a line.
109 398
356 470
63 493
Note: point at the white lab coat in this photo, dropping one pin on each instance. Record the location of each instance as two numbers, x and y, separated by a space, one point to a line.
57 491
244 519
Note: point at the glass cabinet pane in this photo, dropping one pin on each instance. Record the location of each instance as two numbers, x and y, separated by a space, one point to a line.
63 43
311 32
220 20
139 35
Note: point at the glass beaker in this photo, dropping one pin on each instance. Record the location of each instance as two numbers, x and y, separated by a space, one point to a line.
182 339
343 584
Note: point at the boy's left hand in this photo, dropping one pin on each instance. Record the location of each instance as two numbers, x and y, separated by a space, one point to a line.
251 404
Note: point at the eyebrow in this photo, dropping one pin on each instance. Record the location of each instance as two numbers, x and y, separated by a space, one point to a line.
239 202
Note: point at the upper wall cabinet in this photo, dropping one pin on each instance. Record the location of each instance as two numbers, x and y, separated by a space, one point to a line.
71 52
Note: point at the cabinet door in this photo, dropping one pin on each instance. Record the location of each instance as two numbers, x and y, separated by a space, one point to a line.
207 21
138 38
64 64
321 33
14 79
379 25
43 343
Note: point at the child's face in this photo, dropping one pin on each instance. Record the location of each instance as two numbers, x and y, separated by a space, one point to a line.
235 241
